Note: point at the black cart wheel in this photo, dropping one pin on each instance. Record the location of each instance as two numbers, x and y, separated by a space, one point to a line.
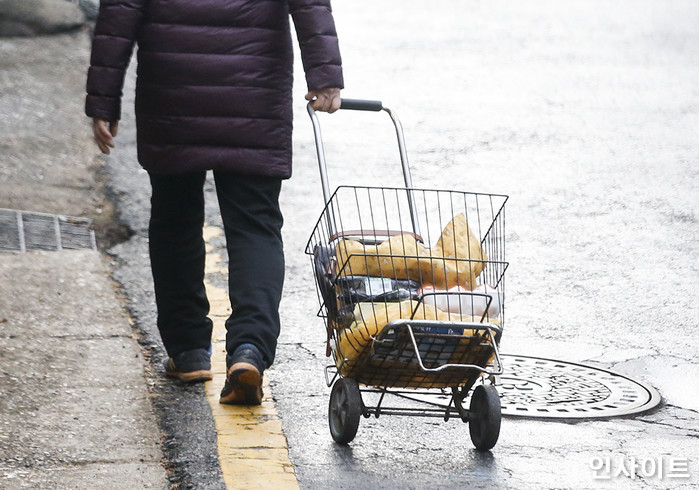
484 417
344 410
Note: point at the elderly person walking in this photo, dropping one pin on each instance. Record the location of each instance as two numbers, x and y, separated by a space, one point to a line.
214 92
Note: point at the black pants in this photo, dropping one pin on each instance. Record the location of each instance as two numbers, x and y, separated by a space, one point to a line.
252 221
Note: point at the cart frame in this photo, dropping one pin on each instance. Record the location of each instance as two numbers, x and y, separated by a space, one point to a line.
439 390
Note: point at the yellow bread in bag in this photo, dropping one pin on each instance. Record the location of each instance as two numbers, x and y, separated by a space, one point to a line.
403 257
458 242
370 318
385 260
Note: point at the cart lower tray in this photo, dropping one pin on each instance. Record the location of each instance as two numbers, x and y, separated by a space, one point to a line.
423 355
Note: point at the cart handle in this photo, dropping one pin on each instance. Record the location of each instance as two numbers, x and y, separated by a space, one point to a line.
372 106
361 105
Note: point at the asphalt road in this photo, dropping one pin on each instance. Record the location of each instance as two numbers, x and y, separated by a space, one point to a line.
586 114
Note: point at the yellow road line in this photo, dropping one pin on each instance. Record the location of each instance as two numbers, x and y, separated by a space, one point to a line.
252 448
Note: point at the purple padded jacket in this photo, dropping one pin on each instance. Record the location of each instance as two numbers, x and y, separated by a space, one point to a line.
214 79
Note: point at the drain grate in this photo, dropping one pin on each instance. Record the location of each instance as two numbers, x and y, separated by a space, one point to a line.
546 388
21 231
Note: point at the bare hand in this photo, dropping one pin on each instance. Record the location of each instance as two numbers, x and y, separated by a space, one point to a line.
104 132
325 100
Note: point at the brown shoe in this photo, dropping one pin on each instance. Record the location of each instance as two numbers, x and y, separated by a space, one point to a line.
243 385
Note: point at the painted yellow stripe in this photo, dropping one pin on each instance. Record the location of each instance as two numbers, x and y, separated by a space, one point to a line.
252 448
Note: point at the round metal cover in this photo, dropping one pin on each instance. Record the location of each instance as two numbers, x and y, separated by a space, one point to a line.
546 388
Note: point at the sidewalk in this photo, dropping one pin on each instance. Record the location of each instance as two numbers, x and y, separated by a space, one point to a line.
75 410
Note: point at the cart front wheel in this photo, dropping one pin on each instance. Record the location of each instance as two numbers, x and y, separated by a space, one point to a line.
484 417
344 410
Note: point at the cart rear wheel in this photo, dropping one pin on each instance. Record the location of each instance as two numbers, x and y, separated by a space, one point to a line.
484 417
344 410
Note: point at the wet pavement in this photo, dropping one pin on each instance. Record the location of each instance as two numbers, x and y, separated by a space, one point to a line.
585 113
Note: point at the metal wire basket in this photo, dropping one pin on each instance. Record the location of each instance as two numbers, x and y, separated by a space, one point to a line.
411 284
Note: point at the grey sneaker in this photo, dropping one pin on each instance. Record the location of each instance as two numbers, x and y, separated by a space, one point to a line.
190 366
244 377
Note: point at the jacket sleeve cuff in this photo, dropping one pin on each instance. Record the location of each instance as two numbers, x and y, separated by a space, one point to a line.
325 76
103 107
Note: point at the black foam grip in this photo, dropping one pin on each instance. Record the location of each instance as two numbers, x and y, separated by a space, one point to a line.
361 105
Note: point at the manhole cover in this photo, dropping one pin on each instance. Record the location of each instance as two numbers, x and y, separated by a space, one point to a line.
21 232
546 388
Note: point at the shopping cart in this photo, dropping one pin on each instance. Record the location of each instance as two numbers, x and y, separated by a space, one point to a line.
411 286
